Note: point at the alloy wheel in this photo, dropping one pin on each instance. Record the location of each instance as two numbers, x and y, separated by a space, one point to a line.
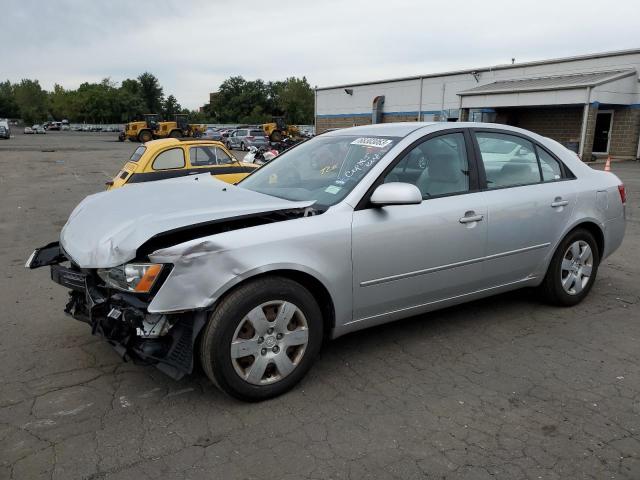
576 267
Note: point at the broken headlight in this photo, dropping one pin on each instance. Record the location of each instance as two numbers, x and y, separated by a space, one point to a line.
132 277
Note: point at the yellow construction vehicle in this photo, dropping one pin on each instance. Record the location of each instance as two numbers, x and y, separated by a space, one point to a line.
278 130
140 130
178 128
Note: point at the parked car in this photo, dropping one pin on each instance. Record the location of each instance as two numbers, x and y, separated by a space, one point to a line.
53 126
244 138
5 130
393 220
64 127
170 158
39 129
212 134
28 131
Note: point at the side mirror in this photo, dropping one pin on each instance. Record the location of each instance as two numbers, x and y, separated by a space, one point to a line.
396 193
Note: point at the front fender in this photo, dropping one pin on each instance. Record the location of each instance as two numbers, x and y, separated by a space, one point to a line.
205 269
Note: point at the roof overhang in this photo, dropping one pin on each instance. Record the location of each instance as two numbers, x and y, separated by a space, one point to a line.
550 90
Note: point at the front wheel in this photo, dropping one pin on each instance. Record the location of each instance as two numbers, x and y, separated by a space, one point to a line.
145 136
572 270
262 338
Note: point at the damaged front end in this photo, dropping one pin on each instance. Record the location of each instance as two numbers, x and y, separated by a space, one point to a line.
120 317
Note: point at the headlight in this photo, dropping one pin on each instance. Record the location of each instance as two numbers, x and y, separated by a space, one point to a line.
132 277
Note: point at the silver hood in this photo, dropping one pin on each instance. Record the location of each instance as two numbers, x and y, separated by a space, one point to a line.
107 228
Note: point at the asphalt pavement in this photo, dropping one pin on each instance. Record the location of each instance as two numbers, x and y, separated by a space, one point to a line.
506 387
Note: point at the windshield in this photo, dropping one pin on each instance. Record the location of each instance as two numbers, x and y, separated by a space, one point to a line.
324 169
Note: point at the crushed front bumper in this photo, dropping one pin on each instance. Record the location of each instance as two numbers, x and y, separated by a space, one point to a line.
122 319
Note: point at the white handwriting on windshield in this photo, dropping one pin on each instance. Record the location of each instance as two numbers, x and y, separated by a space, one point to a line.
363 164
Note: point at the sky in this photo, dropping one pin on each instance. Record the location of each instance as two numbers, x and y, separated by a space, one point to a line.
192 47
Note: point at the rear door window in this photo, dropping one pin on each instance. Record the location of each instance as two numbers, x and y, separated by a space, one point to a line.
508 160
550 167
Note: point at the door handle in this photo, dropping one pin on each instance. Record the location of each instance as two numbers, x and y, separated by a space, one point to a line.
471 217
558 202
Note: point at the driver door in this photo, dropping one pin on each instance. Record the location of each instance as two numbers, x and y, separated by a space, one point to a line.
409 257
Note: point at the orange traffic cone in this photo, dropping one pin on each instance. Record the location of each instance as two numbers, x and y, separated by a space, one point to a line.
607 165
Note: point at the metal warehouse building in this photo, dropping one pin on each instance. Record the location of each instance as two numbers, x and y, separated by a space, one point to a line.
589 103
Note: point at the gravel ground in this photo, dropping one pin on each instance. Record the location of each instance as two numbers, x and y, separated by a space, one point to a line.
500 388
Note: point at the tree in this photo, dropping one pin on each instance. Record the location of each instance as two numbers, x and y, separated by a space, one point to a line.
151 92
239 100
8 106
296 100
170 107
31 100
132 105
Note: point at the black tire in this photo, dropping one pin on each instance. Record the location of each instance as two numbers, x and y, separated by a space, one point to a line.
551 287
216 338
145 136
276 136
175 134
242 147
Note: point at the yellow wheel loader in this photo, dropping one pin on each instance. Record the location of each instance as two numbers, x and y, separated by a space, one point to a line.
278 130
178 128
140 130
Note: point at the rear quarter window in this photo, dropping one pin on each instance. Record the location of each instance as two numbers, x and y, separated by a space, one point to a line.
137 155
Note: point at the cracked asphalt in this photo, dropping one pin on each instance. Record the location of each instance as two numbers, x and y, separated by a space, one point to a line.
506 387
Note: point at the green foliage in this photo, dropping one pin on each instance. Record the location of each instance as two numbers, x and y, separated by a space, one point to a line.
32 101
151 92
8 105
237 101
170 107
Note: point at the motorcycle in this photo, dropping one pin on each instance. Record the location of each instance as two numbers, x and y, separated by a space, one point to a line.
260 156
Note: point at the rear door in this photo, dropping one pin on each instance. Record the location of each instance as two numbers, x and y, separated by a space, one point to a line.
529 197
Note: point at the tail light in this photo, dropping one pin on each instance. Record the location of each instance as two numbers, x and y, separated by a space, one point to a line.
623 193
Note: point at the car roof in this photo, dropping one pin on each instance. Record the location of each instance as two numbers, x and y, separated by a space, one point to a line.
399 129
403 129
163 142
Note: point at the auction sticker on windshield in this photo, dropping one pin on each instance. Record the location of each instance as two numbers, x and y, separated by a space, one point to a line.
372 142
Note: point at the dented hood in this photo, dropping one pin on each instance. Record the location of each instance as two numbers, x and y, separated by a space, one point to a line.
107 228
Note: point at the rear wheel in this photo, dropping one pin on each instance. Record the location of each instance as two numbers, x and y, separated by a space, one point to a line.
145 136
572 270
262 338
242 147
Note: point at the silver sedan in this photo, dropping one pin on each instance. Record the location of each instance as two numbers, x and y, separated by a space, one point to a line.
353 228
